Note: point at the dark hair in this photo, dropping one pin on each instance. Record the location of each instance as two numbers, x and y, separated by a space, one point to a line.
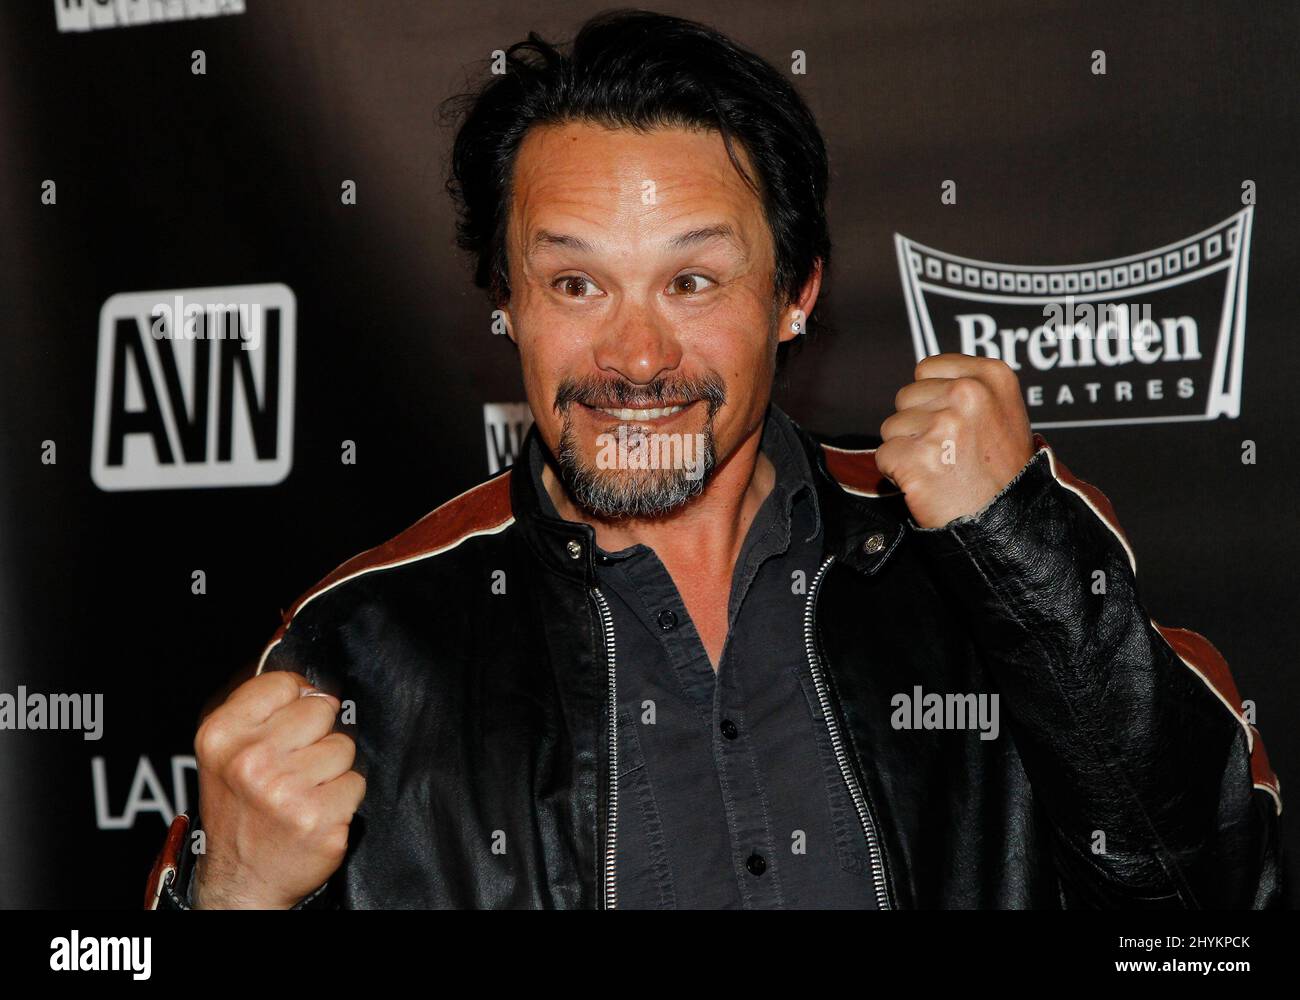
642 70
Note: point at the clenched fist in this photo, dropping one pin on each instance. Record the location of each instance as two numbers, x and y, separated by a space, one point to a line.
276 794
960 435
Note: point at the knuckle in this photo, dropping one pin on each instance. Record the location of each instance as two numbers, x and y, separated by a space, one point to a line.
967 391
283 683
305 820
1003 372
946 426
249 768
335 842
278 794
212 738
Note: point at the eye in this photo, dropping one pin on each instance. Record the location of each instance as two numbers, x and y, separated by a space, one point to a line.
569 282
689 284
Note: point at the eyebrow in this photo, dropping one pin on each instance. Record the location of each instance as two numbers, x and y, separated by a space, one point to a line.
544 238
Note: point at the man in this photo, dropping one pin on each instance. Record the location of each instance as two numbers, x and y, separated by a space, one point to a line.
682 654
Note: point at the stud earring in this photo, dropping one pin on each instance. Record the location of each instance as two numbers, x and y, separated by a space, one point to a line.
796 326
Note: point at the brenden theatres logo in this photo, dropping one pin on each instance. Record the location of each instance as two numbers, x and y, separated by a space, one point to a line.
87 15
195 388
1157 336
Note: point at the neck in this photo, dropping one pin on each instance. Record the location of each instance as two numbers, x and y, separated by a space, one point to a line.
704 534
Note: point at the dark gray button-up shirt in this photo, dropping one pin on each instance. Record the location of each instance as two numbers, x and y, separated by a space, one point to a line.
729 794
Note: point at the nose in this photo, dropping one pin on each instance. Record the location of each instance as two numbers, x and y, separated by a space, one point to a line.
638 345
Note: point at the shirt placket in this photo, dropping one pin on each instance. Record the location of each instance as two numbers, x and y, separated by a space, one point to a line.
753 847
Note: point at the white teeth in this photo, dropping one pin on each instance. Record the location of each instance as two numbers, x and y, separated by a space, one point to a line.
642 414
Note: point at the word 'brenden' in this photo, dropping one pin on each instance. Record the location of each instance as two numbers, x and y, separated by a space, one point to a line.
1083 336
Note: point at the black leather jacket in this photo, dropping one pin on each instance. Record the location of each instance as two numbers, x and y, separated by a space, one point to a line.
480 658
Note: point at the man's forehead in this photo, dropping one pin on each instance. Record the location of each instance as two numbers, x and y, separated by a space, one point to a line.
571 180
588 148
540 239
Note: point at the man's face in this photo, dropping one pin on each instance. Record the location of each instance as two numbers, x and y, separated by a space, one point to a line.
641 274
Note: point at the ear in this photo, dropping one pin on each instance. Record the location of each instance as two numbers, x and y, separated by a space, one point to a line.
799 310
502 315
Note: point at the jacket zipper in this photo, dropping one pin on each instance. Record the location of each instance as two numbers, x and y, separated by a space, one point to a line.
837 745
609 878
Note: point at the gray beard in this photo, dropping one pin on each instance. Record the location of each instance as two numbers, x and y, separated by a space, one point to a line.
626 493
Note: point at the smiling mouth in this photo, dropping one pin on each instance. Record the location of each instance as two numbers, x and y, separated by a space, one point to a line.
628 413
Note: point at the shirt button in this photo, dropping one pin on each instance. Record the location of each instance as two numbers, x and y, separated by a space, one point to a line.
729 729
756 864
667 620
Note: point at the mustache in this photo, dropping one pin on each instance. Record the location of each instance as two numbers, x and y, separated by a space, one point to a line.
621 394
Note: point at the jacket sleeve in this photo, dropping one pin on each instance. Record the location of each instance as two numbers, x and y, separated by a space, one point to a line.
1153 780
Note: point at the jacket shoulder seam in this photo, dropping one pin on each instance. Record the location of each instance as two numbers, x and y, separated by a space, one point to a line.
484 509
856 472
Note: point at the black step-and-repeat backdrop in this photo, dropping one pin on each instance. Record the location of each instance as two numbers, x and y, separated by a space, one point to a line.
239 345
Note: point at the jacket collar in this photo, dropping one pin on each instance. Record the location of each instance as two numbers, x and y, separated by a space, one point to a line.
863 514
862 517
565 547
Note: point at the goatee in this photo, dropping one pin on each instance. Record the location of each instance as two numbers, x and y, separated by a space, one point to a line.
642 491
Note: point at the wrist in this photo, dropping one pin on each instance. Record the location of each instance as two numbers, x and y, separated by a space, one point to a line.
217 897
